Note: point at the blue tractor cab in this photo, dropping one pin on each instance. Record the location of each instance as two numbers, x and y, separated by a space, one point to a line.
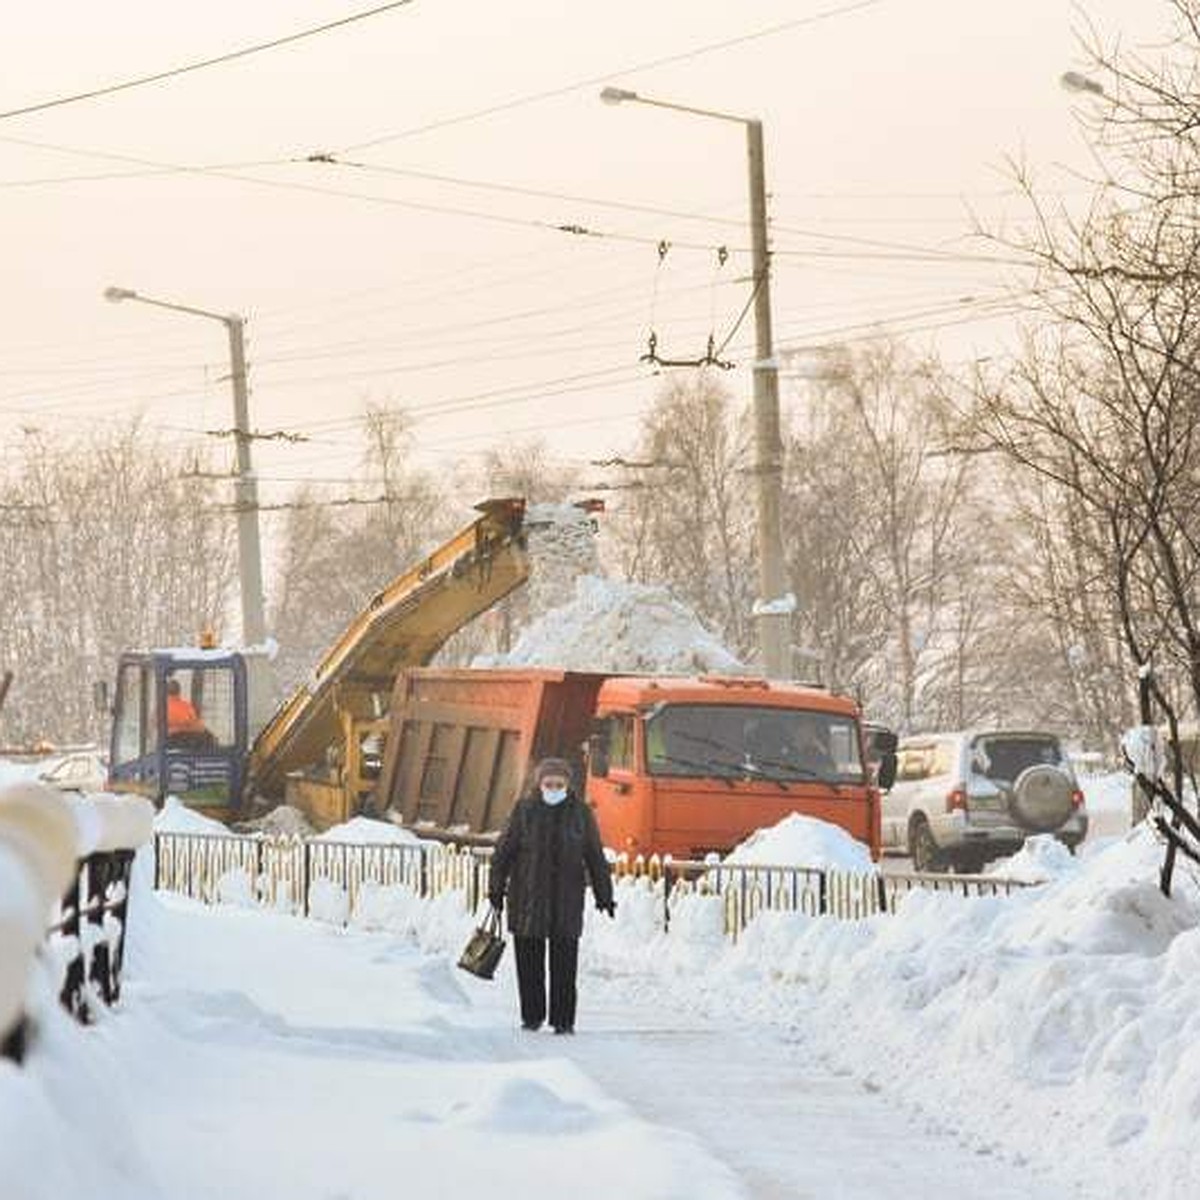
181 727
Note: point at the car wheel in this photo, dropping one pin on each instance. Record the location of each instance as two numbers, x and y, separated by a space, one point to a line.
924 850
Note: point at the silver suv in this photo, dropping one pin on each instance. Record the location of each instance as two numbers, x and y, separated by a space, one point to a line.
961 799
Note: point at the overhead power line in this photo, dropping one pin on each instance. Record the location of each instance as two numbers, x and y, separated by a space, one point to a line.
186 68
608 76
516 190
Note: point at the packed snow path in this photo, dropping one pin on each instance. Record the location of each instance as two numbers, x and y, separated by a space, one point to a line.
265 1056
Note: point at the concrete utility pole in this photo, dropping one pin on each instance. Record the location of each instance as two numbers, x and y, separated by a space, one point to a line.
773 610
774 626
254 623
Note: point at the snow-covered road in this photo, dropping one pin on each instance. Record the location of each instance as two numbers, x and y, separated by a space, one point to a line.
265 1056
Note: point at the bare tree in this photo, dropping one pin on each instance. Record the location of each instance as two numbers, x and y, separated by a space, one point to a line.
890 503
107 543
1104 405
335 557
526 469
689 522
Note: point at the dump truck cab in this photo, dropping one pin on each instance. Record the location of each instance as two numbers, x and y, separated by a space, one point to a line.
689 767
181 726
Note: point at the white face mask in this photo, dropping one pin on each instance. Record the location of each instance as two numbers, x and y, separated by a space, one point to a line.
553 795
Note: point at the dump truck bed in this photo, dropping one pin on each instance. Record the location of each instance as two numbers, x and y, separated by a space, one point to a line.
461 742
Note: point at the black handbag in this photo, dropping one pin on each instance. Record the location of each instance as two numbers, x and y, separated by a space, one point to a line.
482 953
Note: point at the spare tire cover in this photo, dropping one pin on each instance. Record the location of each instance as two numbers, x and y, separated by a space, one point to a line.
1041 797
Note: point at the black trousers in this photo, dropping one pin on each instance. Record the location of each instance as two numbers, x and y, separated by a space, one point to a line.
531 980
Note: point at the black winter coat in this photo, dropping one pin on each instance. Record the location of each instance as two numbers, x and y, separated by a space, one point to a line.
540 861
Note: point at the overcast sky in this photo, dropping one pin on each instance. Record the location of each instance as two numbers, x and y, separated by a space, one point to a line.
887 124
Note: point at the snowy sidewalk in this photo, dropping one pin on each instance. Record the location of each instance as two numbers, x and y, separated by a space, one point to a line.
789 1130
265 1056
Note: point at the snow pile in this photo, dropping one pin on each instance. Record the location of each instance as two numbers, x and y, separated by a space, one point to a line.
615 627
1108 800
39 848
799 841
328 901
66 1114
110 822
15 772
368 831
562 546
282 821
176 817
1041 858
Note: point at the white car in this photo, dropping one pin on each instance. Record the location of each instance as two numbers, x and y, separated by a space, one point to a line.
75 771
962 799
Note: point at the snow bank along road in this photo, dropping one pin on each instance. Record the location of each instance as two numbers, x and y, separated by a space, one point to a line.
261 1056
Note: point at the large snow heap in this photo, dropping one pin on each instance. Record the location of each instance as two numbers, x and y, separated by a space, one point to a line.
612 626
581 621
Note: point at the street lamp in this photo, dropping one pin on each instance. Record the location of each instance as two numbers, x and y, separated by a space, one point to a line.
254 625
774 607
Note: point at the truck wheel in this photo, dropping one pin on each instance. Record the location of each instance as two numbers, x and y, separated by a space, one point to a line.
924 850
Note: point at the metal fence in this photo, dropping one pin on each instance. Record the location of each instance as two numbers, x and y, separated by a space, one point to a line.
282 873
91 932
747 891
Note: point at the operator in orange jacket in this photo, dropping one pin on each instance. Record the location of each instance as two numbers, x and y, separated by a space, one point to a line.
182 716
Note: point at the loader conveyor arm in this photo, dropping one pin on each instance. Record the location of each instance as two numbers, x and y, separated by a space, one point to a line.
403 626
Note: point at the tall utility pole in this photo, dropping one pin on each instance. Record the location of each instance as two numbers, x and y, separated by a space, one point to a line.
254 622
773 609
774 624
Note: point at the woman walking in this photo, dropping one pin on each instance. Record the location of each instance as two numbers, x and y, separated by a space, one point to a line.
550 841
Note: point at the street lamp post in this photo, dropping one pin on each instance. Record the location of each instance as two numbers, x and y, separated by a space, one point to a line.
774 609
254 625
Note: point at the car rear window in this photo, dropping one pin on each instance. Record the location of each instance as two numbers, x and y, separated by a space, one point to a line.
1004 758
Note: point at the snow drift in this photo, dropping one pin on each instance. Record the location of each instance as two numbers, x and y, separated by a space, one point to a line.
1060 1025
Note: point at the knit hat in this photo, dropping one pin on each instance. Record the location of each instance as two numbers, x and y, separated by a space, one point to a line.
553 766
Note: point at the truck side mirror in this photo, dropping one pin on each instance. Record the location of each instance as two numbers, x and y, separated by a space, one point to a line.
598 755
100 697
881 751
887 771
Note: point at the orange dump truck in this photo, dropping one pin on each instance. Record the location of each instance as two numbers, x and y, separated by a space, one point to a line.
684 766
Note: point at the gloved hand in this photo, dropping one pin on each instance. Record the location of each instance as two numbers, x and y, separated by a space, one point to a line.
610 908
496 900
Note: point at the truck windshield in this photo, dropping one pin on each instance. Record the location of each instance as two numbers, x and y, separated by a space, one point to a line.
725 740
